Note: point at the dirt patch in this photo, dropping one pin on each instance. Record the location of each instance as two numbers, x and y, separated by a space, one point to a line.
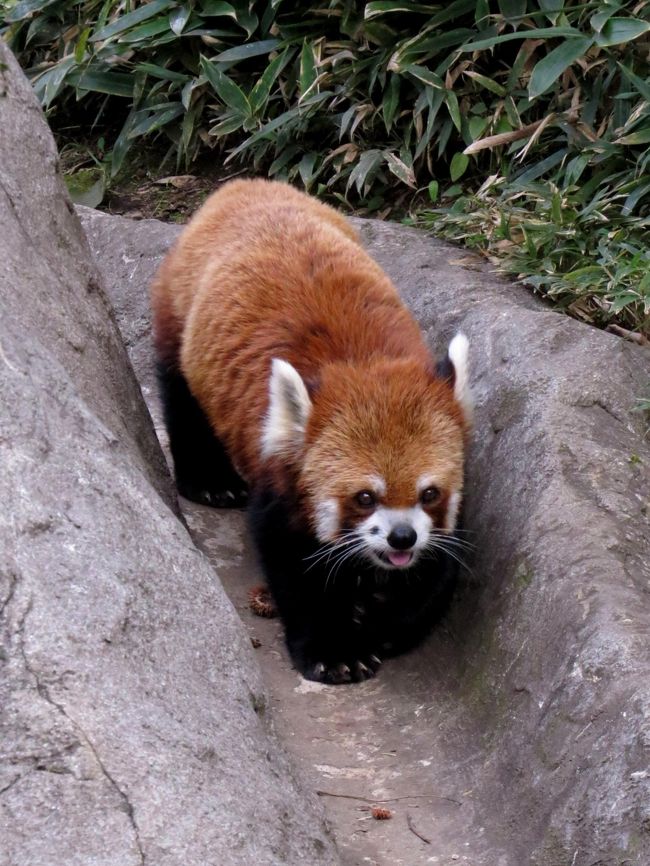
151 186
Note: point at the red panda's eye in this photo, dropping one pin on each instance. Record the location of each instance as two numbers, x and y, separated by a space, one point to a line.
365 499
430 495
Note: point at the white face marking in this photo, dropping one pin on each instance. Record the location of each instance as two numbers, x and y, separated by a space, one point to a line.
452 512
374 531
425 481
327 519
289 407
377 484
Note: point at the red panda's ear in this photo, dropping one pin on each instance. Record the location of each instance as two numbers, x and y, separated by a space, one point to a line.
455 368
289 408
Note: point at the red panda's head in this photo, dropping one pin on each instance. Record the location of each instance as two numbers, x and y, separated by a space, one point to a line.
378 451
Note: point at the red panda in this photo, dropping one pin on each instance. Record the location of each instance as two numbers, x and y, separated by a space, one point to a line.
292 373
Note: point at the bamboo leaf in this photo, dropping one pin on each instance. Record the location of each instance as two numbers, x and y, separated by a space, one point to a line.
641 136
384 7
230 122
435 100
642 86
576 167
399 168
245 17
178 18
99 81
547 70
161 72
122 145
217 9
512 10
531 33
605 12
488 83
25 8
266 130
425 75
477 126
541 168
458 166
126 22
346 118
454 110
262 89
363 172
636 195
306 168
552 8
618 30
146 122
80 47
250 49
278 165
482 14
308 68
390 101
147 30
230 93
48 85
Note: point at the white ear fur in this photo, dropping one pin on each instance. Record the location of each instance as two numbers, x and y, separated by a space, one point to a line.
453 507
457 352
289 408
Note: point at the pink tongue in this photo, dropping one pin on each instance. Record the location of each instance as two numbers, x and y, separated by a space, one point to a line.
399 557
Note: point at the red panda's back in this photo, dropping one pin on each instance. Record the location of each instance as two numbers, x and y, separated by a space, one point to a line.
264 271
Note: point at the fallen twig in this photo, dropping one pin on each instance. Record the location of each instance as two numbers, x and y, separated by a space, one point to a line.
632 336
411 827
388 799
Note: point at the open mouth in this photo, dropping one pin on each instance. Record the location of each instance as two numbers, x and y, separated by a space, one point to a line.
398 558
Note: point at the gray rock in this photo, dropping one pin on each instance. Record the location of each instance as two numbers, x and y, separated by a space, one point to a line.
529 710
133 718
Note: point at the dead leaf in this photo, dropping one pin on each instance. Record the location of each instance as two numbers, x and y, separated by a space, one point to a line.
180 181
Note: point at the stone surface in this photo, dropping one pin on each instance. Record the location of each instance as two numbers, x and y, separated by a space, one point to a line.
133 719
519 733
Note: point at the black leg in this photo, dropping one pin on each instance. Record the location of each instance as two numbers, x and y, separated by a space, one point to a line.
203 470
324 634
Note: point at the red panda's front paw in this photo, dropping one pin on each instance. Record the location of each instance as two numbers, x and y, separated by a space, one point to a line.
235 498
339 673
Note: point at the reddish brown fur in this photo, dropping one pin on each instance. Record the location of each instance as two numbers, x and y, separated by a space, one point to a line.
264 271
389 418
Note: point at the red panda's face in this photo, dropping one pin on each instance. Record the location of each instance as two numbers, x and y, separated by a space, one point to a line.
382 470
378 450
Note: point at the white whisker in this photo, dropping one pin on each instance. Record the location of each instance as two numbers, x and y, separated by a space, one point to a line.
438 543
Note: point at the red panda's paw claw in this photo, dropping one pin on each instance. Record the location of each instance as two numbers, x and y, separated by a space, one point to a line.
236 498
335 674
229 498
342 673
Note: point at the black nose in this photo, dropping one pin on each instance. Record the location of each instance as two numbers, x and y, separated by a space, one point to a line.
402 536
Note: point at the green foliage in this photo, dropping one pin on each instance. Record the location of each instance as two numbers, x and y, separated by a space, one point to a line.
386 103
573 243
354 98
